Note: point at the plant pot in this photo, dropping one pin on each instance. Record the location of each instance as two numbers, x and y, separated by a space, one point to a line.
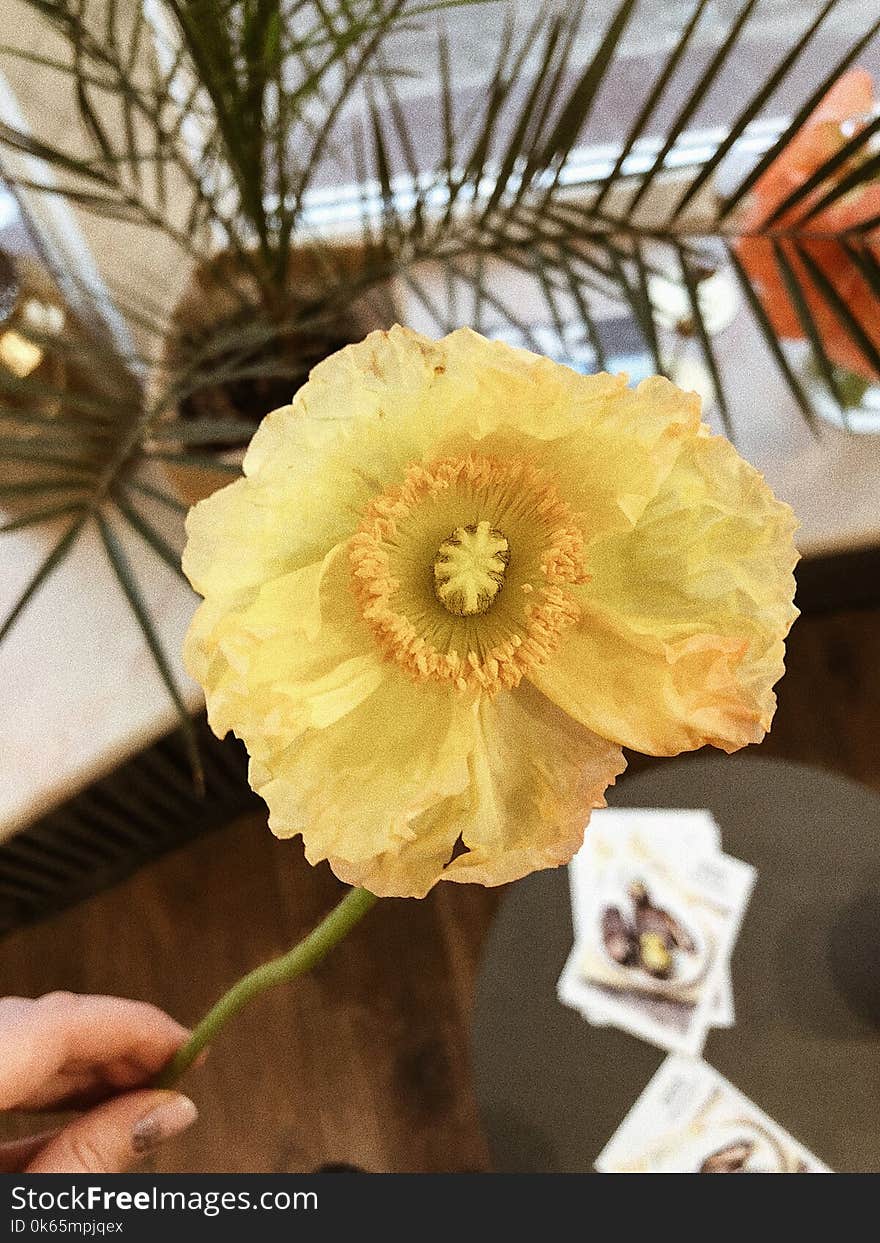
223 323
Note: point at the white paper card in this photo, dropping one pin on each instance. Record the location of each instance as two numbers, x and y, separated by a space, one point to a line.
691 1120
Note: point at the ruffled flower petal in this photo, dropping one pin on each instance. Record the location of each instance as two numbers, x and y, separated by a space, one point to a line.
614 463
370 791
536 777
684 618
295 656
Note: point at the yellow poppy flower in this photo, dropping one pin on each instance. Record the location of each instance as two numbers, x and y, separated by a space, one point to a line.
455 579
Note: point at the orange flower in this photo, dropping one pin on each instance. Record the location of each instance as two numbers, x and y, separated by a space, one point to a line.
843 111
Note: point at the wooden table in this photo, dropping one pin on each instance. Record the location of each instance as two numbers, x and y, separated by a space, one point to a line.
368 1060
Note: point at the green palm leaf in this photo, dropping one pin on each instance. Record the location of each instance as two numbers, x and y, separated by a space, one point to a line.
649 107
217 132
753 109
809 105
808 324
692 103
50 562
125 577
794 385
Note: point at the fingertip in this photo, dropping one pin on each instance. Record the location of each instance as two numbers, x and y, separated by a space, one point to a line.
170 1115
117 1134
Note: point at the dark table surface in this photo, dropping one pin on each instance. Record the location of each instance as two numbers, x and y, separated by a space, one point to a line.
806 978
368 1060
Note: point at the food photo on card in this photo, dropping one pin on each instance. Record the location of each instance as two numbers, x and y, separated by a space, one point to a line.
657 908
691 1120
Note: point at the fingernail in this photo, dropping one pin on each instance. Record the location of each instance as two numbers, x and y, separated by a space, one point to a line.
171 1116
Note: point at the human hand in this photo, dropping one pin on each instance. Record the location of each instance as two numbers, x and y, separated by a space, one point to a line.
65 1051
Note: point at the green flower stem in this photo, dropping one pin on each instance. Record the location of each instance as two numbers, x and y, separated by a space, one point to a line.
307 954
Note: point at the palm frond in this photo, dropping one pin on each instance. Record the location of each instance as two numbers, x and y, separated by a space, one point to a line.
148 533
140 608
847 318
38 516
219 129
703 336
528 124
866 171
848 152
205 431
808 323
523 206
790 131
43 486
157 494
649 107
50 562
752 109
647 318
760 315
865 261
578 107
692 102
195 461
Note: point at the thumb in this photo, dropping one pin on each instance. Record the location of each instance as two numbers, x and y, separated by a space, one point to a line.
115 1135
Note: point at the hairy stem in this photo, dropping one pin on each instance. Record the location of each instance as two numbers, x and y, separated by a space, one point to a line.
307 954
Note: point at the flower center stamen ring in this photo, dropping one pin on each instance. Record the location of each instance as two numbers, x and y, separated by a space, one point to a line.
469 569
487 649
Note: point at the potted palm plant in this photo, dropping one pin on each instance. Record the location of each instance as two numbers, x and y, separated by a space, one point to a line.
275 150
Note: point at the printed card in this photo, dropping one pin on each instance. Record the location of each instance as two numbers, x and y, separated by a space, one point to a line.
657 909
691 1120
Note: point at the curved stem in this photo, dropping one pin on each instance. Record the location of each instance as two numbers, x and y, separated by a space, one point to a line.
307 954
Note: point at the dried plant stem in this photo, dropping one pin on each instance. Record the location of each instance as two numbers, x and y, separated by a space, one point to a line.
303 957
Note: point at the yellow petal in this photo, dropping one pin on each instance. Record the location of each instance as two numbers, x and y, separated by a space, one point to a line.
357 789
613 465
397 397
371 410
411 868
255 530
533 778
295 656
489 386
365 414
536 776
646 595
685 616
